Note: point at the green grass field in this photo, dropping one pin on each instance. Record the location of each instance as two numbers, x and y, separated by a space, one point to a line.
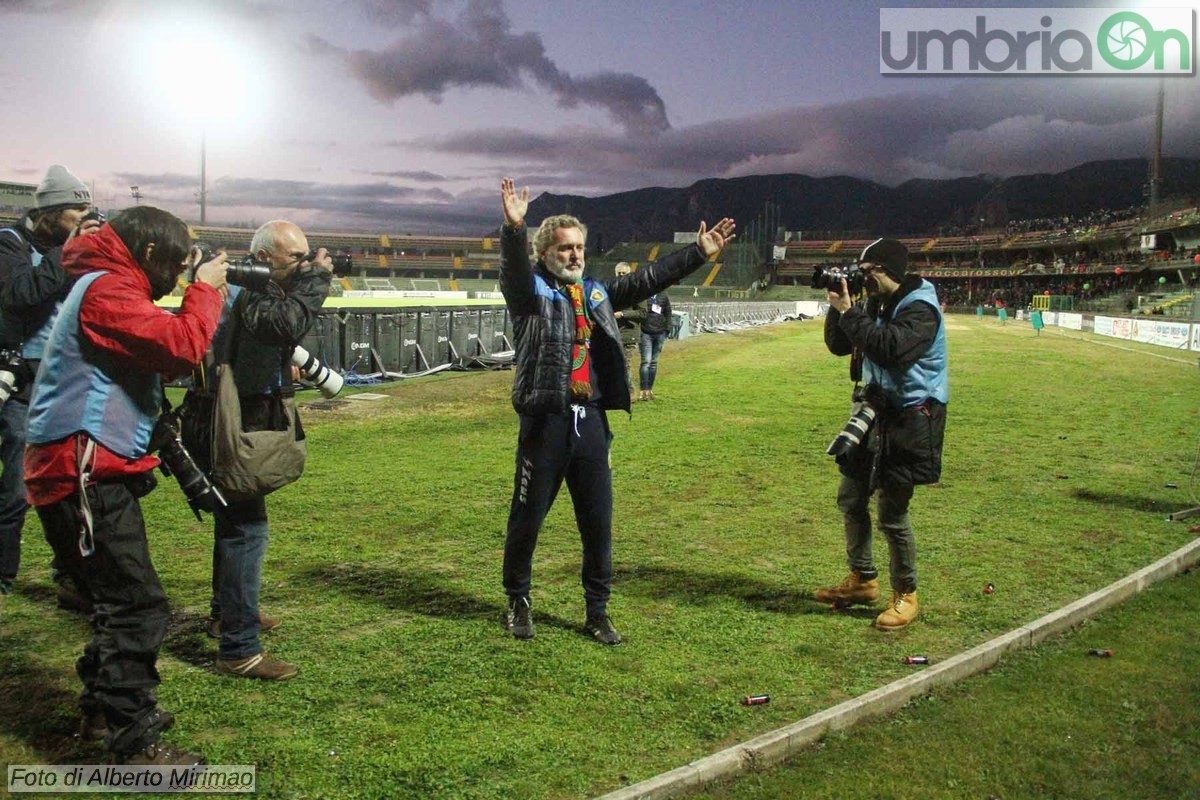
1050 722
385 565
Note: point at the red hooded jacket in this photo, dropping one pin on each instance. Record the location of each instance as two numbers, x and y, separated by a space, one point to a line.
119 316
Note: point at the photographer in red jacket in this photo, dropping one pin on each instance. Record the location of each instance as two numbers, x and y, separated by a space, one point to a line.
94 405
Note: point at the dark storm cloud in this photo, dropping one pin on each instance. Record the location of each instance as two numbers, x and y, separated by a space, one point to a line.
421 176
40 6
365 199
1000 127
479 49
395 12
165 182
254 9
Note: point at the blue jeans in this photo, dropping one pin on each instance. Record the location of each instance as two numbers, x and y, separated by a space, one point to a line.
12 485
651 345
238 548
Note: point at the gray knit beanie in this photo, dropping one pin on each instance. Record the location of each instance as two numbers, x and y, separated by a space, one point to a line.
61 188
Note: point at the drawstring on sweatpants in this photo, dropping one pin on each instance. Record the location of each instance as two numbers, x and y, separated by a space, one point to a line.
580 412
85 461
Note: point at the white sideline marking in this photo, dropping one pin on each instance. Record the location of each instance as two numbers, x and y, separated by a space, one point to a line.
775 746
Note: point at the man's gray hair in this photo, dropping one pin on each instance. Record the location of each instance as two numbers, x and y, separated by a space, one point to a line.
266 237
545 232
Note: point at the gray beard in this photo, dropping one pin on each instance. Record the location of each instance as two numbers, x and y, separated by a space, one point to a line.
563 273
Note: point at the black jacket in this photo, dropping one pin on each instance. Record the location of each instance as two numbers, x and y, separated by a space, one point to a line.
544 326
660 321
264 327
28 294
269 325
630 324
908 441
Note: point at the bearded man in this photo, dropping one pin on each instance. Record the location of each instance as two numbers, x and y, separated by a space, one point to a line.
570 370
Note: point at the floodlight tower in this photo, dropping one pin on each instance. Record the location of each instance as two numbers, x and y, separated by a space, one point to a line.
203 176
1156 154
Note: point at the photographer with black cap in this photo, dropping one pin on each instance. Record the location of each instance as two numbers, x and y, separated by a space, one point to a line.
32 285
897 343
260 326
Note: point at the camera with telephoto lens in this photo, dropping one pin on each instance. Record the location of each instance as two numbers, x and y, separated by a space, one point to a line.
862 417
316 373
244 272
177 462
830 279
12 367
342 263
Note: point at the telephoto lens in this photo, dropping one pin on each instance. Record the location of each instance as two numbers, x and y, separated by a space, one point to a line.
855 430
343 263
255 277
201 493
319 375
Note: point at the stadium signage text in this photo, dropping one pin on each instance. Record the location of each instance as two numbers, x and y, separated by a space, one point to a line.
1032 41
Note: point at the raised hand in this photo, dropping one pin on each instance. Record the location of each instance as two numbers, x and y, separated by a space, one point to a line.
713 241
515 205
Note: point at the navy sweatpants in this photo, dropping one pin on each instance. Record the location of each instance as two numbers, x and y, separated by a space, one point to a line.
571 446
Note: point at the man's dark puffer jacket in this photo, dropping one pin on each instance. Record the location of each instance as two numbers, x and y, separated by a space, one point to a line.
544 325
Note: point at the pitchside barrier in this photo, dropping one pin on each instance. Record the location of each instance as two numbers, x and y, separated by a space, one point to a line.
1147 330
382 343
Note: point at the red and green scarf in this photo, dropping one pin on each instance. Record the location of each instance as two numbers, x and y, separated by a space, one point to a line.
581 383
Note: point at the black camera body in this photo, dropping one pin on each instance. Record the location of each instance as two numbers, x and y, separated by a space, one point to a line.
830 279
94 214
342 263
201 493
12 370
254 275
244 272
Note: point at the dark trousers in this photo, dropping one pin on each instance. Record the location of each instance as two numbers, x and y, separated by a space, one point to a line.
571 446
12 485
118 664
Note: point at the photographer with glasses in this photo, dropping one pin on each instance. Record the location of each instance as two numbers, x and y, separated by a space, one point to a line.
94 405
897 341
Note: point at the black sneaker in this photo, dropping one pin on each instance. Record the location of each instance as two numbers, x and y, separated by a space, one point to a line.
601 629
519 619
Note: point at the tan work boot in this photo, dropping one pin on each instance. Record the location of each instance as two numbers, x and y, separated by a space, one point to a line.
901 610
853 589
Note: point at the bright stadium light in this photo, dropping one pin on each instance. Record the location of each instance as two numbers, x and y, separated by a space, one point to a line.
198 66
202 73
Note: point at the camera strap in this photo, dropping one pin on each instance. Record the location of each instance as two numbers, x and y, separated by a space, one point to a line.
856 365
85 460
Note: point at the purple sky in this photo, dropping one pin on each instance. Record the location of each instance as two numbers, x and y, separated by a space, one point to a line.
402 115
